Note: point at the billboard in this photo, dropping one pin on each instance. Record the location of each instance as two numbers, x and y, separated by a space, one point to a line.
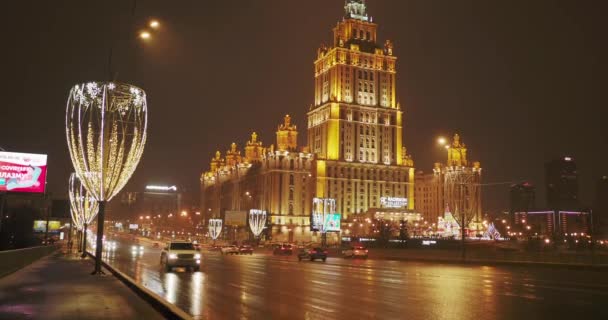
40 225
235 218
133 226
331 222
22 172
393 202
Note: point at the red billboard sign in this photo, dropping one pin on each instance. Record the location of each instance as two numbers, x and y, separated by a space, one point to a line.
22 172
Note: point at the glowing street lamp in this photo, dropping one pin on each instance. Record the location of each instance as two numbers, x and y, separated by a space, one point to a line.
145 35
154 24
441 141
106 126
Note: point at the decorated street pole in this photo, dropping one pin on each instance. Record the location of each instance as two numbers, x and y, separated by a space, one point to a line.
83 208
257 222
106 126
215 228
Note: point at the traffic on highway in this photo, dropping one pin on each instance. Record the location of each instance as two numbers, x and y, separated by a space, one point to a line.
273 283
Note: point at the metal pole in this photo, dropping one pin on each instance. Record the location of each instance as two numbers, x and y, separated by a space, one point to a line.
84 242
462 236
99 247
2 198
46 231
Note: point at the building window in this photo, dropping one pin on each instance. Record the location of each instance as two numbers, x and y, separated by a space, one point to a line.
291 178
291 209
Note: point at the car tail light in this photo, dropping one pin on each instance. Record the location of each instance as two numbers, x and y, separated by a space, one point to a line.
311 252
365 250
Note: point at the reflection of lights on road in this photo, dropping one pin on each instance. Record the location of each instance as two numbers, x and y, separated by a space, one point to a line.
196 298
171 283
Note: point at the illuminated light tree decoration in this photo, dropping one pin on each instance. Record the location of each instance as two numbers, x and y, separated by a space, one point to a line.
106 126
257 221
215 228
83 208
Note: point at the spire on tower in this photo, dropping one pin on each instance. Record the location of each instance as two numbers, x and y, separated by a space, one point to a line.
355 9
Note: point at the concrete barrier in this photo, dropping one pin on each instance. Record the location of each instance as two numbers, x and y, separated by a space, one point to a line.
13 260
168 310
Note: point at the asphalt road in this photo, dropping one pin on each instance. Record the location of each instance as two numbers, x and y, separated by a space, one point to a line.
266 287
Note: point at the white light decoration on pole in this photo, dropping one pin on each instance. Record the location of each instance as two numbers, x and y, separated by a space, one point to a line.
83 208
215 228
106 126
257 221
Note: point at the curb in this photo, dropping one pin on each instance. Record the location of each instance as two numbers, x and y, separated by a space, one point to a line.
501 262
168 310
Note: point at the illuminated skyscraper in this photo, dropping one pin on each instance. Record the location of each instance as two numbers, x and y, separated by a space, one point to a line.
355 124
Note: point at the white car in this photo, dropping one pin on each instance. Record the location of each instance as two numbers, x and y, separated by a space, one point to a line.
180 254
355 252
230 250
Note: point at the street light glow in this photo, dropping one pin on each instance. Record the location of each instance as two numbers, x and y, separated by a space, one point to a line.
441 141
154 24
145 35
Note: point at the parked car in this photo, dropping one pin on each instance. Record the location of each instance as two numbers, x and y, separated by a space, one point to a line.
246 249
283 250
355 252
180 254
230 250
312 254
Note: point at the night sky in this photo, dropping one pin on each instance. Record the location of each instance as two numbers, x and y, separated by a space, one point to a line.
521 81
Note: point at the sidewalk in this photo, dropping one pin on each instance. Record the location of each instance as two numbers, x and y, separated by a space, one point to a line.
60 287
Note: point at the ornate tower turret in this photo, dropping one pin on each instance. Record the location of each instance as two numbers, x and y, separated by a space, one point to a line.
457 153
254 149
233 156
287 135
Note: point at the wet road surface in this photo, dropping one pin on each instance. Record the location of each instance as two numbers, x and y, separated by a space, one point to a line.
263 286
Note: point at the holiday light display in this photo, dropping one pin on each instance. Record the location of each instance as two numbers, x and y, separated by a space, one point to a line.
106 126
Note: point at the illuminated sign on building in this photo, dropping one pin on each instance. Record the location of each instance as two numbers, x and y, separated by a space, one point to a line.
391 202
162 188
22 172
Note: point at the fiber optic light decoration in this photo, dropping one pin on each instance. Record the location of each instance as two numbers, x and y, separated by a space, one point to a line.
215 228
106 126
83 208
257 221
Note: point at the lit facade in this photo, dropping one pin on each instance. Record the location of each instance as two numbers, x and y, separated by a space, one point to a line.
462 187
354 151
429 199
277 180
355 126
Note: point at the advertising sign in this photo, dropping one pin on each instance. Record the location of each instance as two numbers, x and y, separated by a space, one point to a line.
235 218
40 225
332 222
320 208
133 226
392 202
22 172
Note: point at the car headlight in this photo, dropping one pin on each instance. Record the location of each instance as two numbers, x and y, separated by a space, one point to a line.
197 256
172 256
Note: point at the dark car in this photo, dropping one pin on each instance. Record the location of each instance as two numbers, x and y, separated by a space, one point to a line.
245 249
283 250
312 254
